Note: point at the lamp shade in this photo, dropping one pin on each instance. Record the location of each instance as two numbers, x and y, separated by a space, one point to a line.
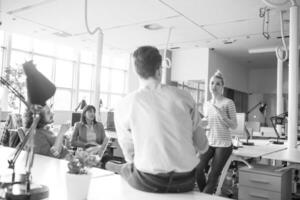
39 88
262 107
83 104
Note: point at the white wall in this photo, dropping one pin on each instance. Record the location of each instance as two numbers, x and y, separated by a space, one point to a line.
264 80
235 74
190 64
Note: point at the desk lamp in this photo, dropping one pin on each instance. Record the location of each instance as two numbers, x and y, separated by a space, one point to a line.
81 105
262 108
280 120
39 90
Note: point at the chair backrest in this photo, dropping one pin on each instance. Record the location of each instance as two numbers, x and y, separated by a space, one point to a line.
240 129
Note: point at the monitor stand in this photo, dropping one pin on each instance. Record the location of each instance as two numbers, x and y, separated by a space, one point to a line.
247 143
277 142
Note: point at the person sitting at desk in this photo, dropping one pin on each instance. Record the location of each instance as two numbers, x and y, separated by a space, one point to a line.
221 115
159 131
88 132
45 141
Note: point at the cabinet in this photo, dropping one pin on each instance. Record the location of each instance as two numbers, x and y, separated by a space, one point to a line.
197 90
264 182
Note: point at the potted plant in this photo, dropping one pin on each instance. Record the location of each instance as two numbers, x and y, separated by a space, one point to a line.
16 77
78 177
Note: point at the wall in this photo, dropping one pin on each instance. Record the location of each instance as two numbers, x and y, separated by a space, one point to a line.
235 75
267 77
263 86
190 64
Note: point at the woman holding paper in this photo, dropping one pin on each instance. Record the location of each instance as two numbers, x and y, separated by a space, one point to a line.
220 113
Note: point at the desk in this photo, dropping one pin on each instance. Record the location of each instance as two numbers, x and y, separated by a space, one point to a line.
115 188
104 184
288 155
258 150
46 171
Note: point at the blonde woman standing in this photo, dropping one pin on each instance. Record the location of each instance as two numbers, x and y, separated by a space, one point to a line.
221 116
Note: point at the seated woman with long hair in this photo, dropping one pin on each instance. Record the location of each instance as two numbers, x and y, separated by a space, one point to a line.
88 132
46 143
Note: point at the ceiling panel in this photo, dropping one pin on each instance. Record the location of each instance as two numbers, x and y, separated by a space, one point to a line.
68 15
247 27
206 12
18 5
183 31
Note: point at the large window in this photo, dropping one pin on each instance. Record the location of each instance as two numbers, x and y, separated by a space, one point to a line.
63 74
43 47
1 47
84 95
118 79
44 65
18 58
21 42
62 100
72 71
86 77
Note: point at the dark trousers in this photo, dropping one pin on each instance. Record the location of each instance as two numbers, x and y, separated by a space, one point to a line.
171 182
219 156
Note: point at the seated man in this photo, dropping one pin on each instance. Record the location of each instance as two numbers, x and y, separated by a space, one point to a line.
159 131
46 143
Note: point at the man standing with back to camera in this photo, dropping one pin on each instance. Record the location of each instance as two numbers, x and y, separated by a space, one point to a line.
159 131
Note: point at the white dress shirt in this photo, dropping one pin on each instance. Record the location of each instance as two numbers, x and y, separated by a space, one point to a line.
159 130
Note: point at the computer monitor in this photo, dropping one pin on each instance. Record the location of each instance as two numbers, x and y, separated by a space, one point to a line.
4 115
75 118
239 131
110 123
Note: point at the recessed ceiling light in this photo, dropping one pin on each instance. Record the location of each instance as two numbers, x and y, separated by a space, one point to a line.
229 41
62 34
153 27
175 48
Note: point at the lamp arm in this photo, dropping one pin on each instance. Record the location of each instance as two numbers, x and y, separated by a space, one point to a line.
78 106
274 127
28 135
251 109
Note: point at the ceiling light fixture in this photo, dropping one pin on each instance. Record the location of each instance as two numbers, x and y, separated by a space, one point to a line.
229 41
153 27
262 50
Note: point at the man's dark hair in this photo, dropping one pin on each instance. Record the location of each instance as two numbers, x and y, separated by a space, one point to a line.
147 60
28 119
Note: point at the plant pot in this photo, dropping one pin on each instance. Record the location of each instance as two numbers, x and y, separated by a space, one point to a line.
77 186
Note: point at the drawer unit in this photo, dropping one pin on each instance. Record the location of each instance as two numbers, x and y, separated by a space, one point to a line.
246 193
264 182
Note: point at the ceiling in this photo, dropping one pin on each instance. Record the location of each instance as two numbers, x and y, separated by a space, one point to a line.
195 24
